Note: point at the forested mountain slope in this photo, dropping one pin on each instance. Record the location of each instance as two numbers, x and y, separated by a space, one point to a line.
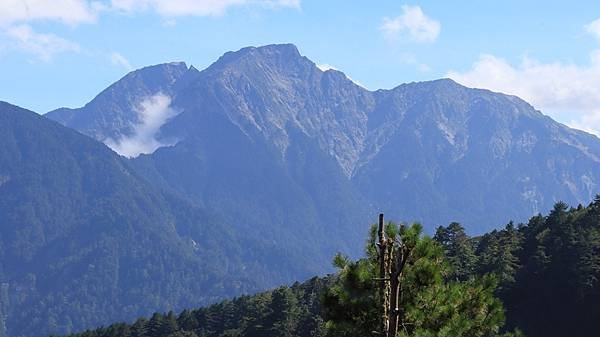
548 271
84 240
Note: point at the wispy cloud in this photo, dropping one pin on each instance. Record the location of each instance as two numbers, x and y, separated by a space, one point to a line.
43 46
561 89
120 60
17 16
593 28
176 8
153 112
71 12
411 60
412 23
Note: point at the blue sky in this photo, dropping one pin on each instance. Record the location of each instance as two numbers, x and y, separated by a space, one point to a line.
57 53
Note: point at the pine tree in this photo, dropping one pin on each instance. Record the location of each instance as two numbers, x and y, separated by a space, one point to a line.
284 315
459 250
429 306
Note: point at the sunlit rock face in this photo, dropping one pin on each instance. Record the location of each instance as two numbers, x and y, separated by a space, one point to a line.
431 151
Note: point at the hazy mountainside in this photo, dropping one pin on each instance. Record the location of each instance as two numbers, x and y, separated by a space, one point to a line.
431 151
84 240
548 271
263 173
441 152
285 311
258 169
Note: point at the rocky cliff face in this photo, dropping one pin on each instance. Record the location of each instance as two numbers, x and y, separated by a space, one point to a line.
440 152
431 151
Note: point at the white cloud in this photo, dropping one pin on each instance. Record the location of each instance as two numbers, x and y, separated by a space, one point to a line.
569 92
412 23
594 28
175 8
556 88
16 15
43 46
73 12
67 11
153 112
120 60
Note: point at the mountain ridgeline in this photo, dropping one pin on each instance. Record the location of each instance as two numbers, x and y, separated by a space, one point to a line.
434 151
250 174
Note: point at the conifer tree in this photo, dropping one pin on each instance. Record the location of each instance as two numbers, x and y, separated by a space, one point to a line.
458 250
429 306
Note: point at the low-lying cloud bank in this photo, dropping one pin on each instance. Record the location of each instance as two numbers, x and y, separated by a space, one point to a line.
153 112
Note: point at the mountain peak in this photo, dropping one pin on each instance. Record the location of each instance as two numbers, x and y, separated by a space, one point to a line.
114 112
171 71
273 53
286 49
437 84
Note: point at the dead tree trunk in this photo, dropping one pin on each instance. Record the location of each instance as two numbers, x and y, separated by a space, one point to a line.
401 257
384 294
393 256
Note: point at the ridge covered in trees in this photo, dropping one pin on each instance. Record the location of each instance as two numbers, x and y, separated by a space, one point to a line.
545 272
548 269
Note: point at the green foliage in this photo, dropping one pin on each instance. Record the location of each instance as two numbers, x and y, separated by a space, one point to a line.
498 254
548 270
459 250
430 306
84 240
283 312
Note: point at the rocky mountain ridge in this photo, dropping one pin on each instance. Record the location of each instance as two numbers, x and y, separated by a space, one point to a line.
446 146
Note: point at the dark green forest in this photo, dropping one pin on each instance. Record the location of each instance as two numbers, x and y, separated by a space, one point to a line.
548 269
539 279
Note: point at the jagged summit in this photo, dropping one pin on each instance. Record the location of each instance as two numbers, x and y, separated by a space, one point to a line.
282 58
420 135
287 51
291 161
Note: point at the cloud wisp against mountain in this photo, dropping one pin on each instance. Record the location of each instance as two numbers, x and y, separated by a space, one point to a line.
153 112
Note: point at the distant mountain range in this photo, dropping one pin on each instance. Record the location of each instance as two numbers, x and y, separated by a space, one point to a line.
251 173
434 151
